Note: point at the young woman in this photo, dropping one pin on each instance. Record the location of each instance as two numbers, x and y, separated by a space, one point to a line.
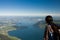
51 30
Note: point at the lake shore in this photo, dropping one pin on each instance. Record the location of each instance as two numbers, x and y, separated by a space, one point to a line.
4 31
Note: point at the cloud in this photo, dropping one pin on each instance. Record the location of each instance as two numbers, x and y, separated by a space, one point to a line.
26 14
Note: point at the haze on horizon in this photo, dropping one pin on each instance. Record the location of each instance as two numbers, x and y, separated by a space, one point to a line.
29 7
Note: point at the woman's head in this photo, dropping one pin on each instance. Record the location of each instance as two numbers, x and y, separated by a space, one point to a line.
49 19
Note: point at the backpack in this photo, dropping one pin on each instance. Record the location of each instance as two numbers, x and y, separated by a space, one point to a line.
56 33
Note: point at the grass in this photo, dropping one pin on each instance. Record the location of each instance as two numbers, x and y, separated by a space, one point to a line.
4 31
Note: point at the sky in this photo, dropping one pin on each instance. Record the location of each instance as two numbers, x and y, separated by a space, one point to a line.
29 7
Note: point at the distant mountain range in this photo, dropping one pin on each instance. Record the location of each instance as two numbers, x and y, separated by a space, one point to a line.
43 22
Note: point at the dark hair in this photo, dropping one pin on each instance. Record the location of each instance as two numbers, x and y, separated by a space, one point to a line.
49 19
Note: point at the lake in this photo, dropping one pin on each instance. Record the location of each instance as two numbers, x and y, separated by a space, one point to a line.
29 33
